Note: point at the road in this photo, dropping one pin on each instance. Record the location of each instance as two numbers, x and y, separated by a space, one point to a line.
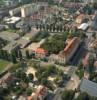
80 52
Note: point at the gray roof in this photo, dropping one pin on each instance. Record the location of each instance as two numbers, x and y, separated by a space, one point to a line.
23 42
11 46
2 27
31 34
88 87
9 36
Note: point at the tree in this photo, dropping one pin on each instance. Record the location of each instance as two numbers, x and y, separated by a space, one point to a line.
27 54
40 27
68 95
47 27
14 67
30 77
58 28
13 58
91 63
95 5
20 55
80 73
94 35
23 75
6 56
2 54
37 26
58 80
44 81
50 2
56 42
80 65
54 28
83 96
28 91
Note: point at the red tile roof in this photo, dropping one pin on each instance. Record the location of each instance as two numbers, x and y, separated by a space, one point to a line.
71 44
40 51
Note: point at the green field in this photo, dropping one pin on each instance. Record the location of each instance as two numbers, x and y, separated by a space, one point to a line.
3 65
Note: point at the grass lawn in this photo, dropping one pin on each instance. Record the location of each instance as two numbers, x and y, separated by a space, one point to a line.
3 65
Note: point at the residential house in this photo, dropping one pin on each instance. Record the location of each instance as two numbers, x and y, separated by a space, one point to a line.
40 94
6 79
94 22
15 11
12 21
40 53
11 47
80 18
31 34
85 61
35 48
29 9
71 47
23 26
56 59
83 26
88 87
65 55
23 42
9 36
86 65
32 47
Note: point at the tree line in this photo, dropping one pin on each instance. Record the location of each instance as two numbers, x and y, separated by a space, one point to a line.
14 56
52 28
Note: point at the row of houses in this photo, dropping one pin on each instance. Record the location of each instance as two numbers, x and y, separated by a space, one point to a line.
24 44
63 57
15 42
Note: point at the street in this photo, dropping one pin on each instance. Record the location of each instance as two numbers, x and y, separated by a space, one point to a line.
80 52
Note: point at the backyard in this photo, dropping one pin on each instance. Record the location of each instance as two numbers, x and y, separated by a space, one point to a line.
3 65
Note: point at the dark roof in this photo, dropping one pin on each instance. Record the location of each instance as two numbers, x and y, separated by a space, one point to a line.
9 36
11 46
88 87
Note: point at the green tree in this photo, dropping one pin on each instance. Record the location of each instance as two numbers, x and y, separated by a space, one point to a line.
20 54
95 5
83 96
91 63
27 54
44 81
29 91
13 57
68 95
56 42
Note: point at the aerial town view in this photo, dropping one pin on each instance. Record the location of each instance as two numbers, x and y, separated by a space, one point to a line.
48 49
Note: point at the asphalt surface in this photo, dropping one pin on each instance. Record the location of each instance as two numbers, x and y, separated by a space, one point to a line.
80 52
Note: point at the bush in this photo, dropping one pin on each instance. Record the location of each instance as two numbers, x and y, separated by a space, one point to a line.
29 91
80 73
68 95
